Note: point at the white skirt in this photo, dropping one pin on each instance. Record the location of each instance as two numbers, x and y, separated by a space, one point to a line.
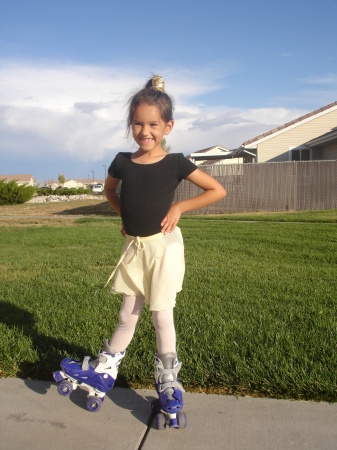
152 266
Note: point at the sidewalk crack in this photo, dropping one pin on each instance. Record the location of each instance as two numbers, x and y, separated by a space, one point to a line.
149 426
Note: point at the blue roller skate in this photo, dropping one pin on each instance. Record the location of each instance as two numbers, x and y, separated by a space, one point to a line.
170 392
96 376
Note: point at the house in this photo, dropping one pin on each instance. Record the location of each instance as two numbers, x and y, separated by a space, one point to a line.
310 137
86 183
72 184
20 179
214 155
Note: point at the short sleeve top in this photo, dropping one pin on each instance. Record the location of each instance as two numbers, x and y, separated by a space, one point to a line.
147 190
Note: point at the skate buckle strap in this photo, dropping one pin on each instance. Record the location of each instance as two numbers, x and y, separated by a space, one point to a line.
85 364
163 371
140 245
101 358
170 384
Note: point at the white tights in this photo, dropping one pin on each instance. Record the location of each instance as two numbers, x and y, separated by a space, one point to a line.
128 318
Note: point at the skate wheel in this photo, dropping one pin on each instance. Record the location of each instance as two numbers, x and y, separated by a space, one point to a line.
65 388
155 406
160 421
181 419
93 404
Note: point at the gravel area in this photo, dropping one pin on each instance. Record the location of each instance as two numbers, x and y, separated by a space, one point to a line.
64 198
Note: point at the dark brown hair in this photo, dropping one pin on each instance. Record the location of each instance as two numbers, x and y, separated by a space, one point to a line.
153 97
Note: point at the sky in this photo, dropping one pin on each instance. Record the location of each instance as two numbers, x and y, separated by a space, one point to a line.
235 70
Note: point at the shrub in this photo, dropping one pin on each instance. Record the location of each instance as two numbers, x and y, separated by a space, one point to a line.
63 191
81 191
44 191
11 193
71 191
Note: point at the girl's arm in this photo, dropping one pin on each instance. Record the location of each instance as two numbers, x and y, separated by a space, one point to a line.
213 193
111 194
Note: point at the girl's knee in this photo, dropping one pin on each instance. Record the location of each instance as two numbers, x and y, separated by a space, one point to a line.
128 319
162 319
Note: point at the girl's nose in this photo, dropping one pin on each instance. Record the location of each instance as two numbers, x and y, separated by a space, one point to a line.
145 131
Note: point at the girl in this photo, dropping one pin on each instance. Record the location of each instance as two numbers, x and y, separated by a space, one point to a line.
151 268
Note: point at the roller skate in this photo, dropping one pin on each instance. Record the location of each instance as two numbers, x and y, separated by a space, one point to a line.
167 408
96 376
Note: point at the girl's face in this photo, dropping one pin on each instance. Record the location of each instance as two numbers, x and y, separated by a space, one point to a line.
148 128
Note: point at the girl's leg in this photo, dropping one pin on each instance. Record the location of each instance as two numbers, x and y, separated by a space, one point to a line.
128 318
165 332
167 366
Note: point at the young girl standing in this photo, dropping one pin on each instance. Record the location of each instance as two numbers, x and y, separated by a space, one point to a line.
151 268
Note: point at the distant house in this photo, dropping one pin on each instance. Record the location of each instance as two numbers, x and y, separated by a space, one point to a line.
20 179
215 155
86 183
72 184
310 137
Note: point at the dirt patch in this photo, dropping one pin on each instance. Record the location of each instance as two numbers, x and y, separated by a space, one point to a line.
54 213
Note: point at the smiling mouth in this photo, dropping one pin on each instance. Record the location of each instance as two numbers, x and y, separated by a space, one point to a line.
146 140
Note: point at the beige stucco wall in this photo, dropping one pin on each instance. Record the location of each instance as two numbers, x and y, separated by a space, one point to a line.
276 148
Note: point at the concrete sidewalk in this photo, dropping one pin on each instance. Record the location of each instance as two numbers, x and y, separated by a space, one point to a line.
34 416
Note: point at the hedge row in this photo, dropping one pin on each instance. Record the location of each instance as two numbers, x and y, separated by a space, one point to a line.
63 191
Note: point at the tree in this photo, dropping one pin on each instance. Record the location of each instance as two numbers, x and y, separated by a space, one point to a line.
61 178
164 146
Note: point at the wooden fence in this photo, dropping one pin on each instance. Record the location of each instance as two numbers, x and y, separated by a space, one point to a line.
283 186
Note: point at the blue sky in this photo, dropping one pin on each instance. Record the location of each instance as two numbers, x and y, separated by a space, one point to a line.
235 70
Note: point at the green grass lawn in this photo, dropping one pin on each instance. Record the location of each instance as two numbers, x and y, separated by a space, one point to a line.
257 314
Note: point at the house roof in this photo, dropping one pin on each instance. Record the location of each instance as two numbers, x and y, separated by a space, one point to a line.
323 139
205 151
17 177
293 122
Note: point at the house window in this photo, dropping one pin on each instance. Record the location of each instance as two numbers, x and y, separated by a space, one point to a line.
300 154
248 159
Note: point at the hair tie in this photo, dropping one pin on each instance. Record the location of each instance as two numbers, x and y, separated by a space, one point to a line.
158 83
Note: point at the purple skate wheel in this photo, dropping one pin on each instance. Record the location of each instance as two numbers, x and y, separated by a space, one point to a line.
160 421
94 404
65 388
181 419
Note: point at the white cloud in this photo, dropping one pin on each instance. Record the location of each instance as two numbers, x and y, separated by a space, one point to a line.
78 111
322 79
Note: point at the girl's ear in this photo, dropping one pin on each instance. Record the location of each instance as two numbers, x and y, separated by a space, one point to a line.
169 126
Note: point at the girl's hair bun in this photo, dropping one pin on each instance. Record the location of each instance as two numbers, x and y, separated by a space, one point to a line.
158 83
